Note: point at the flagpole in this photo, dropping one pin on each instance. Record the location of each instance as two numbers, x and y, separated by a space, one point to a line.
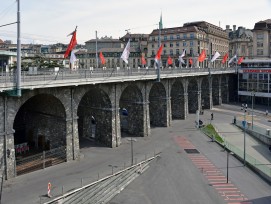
18 85
158 63
96 50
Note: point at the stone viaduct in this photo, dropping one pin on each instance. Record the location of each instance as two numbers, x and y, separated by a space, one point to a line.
59 112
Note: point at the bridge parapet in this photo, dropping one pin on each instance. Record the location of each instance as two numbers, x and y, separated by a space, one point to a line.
64 77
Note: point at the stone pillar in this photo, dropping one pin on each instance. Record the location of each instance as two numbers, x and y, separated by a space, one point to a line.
168 110
186 110
9 154
219 95
116 133
72 139
146 119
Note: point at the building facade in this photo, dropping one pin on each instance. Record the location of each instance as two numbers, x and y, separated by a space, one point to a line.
192 37
240 41
261 39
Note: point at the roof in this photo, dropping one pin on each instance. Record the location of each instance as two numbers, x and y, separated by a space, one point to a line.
263 25
106 40
175 30
1 41
106 50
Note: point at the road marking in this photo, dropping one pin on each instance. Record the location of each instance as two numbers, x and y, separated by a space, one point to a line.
228 191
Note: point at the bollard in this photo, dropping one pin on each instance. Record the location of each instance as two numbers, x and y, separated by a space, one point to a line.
81 182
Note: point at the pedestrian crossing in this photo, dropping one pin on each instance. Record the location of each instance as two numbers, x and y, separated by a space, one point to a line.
228 191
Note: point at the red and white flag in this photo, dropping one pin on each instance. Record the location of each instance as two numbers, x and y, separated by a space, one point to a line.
72 44
216 55
126 53
225 58
240 60
73 57
169 60
159 52
190 61
202 56
143 61
233 58
102 58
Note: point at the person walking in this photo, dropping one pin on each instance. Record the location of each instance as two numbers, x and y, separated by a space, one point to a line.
266 112
212 116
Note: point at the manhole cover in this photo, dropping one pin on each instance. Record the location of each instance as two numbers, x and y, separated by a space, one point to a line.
191 151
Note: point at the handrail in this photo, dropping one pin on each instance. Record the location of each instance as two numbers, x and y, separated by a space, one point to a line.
100 180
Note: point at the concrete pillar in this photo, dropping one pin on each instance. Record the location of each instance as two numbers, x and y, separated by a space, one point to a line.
219 95
168 110
186 110
9 154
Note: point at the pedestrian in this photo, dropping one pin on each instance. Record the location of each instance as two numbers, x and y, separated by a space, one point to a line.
269 148
266 112
212 116
49 190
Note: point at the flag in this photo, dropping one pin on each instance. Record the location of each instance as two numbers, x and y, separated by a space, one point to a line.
240 60
190 61
169 60
159 52
183 54
202 56
143 61
102 58
233 58
126 53
72 44
225 58
216 55
73 57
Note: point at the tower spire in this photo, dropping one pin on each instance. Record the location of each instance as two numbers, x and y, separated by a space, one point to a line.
161 22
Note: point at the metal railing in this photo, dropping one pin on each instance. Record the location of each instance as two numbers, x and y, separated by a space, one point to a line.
40 160
66 74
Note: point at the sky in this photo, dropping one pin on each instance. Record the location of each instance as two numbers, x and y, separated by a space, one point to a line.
50 21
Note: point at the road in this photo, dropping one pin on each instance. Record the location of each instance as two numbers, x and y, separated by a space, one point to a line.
176 177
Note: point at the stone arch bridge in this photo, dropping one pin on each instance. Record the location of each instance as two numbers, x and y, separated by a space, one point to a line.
58 109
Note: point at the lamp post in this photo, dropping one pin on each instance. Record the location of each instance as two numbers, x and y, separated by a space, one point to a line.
228 153
252 98
132 150
244 107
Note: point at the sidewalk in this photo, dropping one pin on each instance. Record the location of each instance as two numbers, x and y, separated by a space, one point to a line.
234 136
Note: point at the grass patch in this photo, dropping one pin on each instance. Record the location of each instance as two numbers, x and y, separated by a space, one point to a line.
210 131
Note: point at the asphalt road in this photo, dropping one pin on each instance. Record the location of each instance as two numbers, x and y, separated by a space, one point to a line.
173 178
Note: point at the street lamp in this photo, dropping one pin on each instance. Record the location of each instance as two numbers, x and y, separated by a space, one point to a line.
228 153
252 98
244 107
132 150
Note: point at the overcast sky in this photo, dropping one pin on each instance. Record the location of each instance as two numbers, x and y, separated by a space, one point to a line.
50 21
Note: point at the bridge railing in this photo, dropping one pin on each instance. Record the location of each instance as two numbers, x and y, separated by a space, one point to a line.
63 74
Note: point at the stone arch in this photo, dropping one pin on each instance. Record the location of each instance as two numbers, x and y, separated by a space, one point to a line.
192 95
215 90
158 105
95 117
131 109
177 100
205 93
40 125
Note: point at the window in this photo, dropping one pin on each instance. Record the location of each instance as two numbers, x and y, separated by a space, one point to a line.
171 37
153 38
184 35
178 36
152 52
152 45
165 52
184 44
177 51
192 35
165 37
177 44
259 51
191 43
260 36
259 44
165 45
171 45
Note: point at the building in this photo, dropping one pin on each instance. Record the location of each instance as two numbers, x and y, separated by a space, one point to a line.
192 37
240 41
103 42
261 39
